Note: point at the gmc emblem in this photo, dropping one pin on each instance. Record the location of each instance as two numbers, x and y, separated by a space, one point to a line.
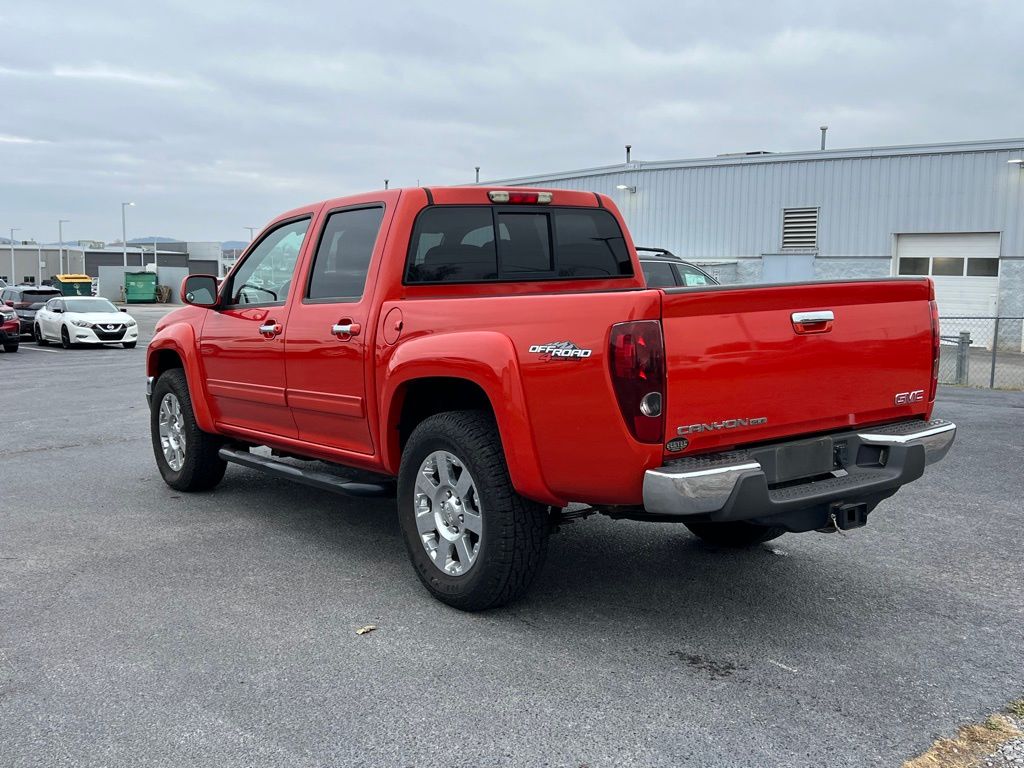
905 398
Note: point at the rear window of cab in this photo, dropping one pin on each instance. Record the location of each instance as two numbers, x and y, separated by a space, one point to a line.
458 244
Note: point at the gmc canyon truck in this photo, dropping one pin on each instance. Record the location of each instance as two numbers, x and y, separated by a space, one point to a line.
494 355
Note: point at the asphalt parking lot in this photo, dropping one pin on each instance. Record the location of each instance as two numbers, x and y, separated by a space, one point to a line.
140 626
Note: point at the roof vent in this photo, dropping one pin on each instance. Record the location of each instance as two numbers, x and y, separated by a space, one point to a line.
800 229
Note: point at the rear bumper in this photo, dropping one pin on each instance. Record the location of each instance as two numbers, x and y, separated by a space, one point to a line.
867 466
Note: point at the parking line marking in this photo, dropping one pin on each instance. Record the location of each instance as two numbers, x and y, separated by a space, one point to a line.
41 349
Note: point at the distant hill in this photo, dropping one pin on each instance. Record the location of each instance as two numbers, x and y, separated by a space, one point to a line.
234 245
155 239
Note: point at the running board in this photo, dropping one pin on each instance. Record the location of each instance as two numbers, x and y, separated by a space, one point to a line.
321 480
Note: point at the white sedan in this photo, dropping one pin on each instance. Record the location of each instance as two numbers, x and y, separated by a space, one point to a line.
74 320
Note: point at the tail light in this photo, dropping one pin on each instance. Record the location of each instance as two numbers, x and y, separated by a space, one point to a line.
519 198
935 349
637 360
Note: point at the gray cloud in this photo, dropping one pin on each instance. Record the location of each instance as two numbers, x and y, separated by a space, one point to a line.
217 115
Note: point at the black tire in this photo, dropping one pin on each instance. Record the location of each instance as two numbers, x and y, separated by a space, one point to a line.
11 347
65 338
38 333
736 534
129 345
514 538
202 468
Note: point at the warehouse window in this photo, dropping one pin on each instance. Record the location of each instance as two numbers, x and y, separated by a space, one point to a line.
948 266
914 265
800 229
983 267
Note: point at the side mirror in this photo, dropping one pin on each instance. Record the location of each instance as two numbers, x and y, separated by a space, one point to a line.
58 310
199 290
124 309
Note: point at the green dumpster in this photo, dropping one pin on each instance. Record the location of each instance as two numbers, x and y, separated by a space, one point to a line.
140 287
73 285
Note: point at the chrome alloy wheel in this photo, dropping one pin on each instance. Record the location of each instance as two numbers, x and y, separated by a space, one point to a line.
172 431
448 511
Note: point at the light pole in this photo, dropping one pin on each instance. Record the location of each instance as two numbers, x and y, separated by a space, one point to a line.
39 263
13 280
60 253
124 236
251 230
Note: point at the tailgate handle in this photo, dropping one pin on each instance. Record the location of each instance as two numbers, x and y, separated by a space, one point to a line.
813 322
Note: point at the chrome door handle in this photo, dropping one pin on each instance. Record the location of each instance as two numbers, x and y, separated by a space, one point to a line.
349 329
813 322
813 317
270 330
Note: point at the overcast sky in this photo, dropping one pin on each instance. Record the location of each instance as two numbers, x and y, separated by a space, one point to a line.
216 115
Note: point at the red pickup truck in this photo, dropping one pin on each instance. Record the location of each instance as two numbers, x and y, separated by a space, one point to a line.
498 353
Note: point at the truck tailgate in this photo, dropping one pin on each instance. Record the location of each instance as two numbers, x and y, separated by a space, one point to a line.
740 370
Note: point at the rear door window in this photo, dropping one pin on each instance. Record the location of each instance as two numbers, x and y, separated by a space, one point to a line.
343 256
457 244
659 274
693 276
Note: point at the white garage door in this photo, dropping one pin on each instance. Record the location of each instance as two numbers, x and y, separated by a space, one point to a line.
965 268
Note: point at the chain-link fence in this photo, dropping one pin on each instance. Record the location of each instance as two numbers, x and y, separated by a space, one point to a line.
982 352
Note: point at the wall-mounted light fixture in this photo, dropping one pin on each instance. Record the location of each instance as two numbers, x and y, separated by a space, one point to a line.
625 186
1019 161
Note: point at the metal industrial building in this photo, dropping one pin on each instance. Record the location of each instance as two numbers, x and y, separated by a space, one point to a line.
32 262
953 211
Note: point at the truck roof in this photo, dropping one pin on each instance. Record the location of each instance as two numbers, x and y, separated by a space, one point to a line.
456 195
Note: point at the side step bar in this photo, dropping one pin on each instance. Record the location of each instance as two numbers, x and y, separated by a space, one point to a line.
321 480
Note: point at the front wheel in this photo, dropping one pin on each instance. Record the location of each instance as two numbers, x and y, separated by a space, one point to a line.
65 337
11 347
129 345
736 534
473 541
186 456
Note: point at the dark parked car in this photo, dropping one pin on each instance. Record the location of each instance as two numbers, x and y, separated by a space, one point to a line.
663 269
26 300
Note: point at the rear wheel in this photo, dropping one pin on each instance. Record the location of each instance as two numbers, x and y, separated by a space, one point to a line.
40 340
736 534
473 541
186 456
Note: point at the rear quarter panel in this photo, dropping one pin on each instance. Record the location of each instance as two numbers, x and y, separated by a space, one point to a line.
563 435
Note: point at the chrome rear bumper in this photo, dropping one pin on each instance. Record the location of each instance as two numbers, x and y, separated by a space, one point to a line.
734 485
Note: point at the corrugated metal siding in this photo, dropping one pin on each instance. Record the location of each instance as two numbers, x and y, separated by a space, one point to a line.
730 211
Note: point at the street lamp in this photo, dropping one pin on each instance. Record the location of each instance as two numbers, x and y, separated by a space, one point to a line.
251 230
124 237
13 280
60 253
